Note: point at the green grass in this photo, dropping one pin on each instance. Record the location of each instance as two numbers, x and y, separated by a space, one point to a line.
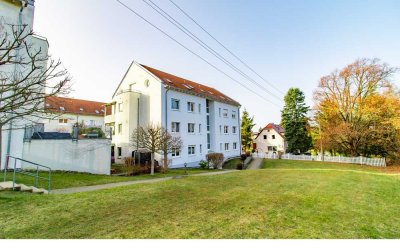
61 180
287 199
231 164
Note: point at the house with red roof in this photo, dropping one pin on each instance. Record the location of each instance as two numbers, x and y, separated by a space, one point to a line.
206 119
270 140
66 112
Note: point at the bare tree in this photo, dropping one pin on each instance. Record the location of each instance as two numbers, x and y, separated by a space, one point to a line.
155 139
27 76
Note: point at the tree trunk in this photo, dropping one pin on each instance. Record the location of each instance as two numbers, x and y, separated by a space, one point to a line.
165 161
1 143
152 164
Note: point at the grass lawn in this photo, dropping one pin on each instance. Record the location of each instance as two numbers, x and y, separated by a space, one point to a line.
231 164
287 199
62 180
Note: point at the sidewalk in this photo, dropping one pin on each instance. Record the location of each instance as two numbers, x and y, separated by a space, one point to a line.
113 185
255 164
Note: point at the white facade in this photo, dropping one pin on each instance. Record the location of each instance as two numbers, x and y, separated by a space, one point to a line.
65 122
16 12
143 98
269 141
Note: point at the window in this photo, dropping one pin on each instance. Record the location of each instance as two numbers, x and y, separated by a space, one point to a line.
273 136
219 112
92 123
175 152
199 128
220 146
175 127
208 141
131 86
190 127
119 128
174 104
63 121
201 149
234 146
265 136
146 83
233 114
226 146
272 148
119 152
207 106
199 108
225 113
226 129
220 129
208 123
233 129
190 106
120 107
191 150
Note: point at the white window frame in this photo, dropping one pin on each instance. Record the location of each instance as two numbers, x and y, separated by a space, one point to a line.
172 105
190 107
175 127
175 153
225 113
234 129
191 150
226 147
233 114
234 146
191 127
226 129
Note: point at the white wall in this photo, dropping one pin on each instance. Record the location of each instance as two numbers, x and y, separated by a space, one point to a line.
91 156
10 14
262 144
219 136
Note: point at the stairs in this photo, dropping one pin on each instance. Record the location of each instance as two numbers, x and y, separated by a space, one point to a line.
21 187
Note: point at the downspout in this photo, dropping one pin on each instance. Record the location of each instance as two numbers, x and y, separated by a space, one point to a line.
240 132
15 71
166 120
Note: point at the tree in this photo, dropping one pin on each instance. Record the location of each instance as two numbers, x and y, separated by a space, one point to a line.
357 109
27 76
155 139
295 122
246 128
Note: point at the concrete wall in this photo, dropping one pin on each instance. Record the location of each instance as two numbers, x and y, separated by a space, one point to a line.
91 156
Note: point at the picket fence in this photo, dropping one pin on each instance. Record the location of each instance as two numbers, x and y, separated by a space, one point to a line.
379 162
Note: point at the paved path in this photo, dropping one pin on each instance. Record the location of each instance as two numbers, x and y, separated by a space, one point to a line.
113 185
255 164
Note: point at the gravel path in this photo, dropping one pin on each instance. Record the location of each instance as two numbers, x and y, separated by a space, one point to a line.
113 185
255 164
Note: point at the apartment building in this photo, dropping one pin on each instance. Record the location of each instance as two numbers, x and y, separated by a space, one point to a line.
204 118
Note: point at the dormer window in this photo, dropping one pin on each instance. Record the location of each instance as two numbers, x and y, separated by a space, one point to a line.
62 108
81 109
97 112
188 86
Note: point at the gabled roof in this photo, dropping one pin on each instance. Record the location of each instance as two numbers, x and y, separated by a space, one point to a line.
56 104
275 127
191 87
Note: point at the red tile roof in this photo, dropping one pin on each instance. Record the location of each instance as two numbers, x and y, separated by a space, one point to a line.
276 127
191 87
57 104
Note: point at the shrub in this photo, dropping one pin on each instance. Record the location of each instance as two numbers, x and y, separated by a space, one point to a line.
248 154
215 159
203 164
128 161
239 166
243 157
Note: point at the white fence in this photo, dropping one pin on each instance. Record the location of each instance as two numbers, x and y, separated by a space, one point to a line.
88 155
379 162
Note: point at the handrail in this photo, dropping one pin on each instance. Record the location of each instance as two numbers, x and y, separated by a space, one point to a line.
21 171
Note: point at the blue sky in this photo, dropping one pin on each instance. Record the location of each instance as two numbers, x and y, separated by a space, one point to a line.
290 43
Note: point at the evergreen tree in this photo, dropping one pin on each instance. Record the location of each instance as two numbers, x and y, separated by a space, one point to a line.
295 122
246 127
